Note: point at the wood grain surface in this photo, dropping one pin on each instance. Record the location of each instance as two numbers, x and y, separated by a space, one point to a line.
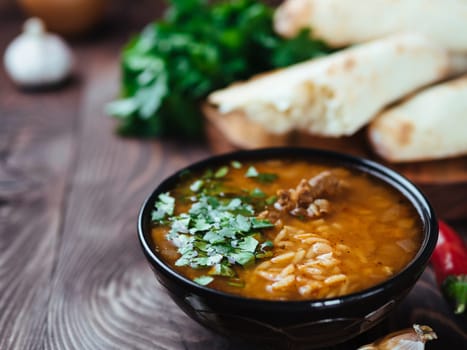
72 275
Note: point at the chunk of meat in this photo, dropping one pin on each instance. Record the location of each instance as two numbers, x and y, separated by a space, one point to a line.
306 200
284 200
325 184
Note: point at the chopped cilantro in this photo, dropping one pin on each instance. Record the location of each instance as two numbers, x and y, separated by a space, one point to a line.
197 185
271 200
260 177
208 174
163 207
266 177
236 164
243 258
248 244
241 223
261 223
221 172
257 193
266 244
222 270
203 280
236 283
251 172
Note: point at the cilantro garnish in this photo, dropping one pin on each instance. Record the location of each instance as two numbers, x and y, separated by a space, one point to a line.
203 280
219 230
196 186
236 164
221 172
270 200
267 177
163 207
215 233
251 172
257 193
260 177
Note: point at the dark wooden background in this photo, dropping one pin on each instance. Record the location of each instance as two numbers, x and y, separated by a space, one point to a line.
72 275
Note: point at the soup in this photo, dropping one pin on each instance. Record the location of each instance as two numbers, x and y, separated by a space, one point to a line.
285 229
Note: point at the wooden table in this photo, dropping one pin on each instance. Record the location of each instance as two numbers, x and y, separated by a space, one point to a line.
72 275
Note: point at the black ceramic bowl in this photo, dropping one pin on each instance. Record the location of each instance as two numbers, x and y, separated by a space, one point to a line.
293 324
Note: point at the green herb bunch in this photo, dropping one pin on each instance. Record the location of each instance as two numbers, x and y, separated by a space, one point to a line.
198 47
220 229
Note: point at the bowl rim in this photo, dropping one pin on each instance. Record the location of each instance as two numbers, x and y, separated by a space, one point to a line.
404 186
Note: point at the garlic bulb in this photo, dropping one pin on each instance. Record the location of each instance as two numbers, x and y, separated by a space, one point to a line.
36 58
407 339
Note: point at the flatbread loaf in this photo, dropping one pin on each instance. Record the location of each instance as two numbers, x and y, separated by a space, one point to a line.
336 95
344 22
430 125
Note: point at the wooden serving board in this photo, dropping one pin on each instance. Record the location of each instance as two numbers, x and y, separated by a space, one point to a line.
444 182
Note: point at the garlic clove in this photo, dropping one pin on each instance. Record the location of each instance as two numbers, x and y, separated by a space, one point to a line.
408 339
37 58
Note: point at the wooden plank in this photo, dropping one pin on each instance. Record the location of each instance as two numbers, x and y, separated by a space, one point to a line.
104 294
36 155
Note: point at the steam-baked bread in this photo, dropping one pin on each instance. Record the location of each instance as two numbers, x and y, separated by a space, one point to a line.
344 22
336 95
430 125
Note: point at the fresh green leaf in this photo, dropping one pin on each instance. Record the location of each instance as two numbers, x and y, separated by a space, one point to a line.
221 172
222 270
298 49
208 174
122 108
257 193
241 223
164 207
271 200
236 164
251 172
266 245
243 258
261 223
213 237
203 280
266 177
236 283
197 185
248 244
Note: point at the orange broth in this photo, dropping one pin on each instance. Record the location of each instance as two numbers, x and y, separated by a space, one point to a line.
372 230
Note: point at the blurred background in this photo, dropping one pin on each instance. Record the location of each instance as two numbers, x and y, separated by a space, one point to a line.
80 17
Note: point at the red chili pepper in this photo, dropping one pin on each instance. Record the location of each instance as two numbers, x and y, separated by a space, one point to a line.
449 261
